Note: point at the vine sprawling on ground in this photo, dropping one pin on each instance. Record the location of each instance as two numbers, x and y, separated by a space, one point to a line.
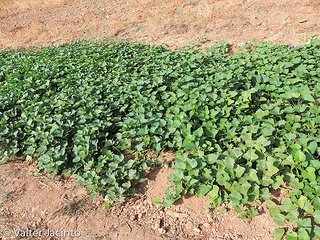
241 125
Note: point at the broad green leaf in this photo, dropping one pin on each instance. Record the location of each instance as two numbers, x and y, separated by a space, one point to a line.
244 188
203 189
261 114
299 156
303 234
306 94
192 162
278 233
312 147
214 193
239 171
301 201
272 170
316 216
309 173
291 236
278 218
212 158
250 155
253 176
180 165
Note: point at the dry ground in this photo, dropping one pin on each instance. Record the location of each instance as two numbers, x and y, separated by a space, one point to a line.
174 22
41 202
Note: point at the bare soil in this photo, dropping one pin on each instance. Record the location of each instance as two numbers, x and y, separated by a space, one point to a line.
25 23
45 203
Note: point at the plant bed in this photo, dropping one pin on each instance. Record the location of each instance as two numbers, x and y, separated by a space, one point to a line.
241 125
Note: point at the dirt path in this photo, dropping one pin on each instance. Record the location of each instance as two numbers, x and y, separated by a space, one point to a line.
43 204
174 22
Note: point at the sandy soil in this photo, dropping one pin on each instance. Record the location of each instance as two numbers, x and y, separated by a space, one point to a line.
174 22
44 204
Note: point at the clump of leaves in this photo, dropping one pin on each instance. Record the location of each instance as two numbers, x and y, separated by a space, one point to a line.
242 125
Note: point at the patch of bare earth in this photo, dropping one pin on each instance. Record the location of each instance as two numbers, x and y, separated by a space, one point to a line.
26 23
47 204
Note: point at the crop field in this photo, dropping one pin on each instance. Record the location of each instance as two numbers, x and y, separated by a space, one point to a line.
241 125
149 119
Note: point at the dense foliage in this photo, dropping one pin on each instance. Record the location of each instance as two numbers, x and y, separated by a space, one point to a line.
242 125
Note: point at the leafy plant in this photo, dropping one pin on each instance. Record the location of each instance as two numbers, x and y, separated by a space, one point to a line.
242 125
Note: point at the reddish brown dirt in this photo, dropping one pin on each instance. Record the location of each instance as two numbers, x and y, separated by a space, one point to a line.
175 22
42 203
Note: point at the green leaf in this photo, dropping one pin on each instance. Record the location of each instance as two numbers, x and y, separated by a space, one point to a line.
203 190
301 201
316 216
303 234
287 205
305 222
239 171
140 146
299 156
107 203
263 141
309 173
316 202
306 94
245 188
212 158
250 155
291 236
261 114
293 215
316 231
278 233
236 153
180 165
253 176
214 193
192 162
265 193
312 147
295 146
198 132
272 170
278 218
188 142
